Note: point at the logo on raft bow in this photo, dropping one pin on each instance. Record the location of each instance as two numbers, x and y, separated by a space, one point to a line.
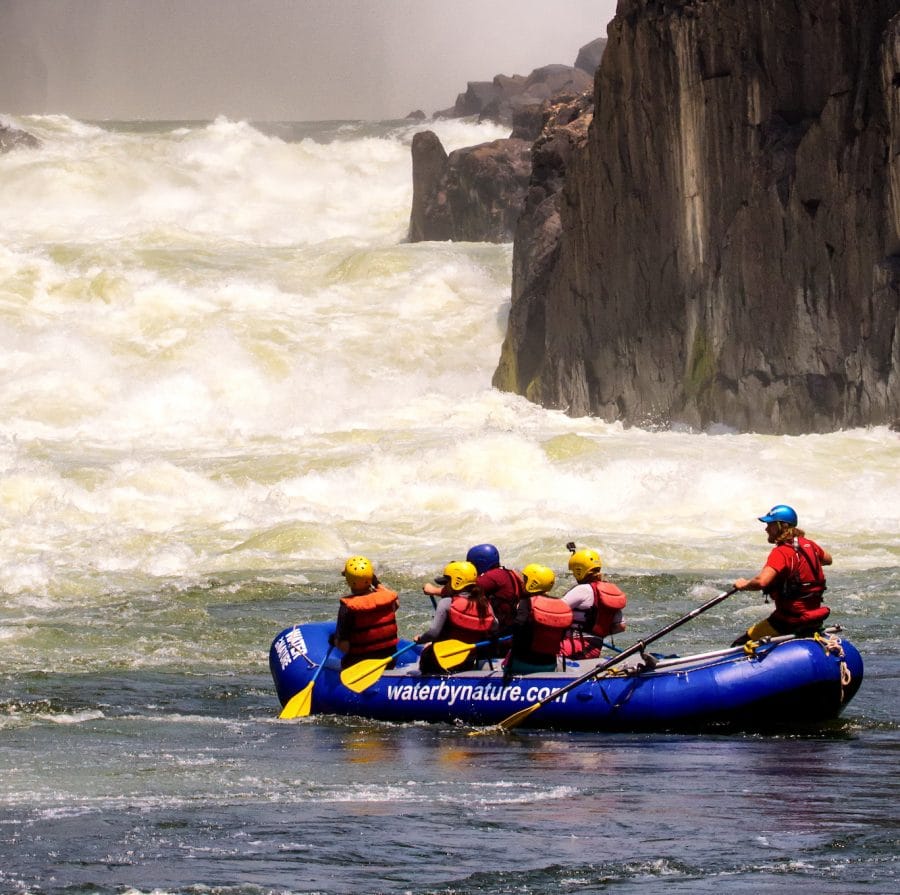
289 647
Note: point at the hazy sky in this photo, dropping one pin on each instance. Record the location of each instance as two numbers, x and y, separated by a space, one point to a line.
275 59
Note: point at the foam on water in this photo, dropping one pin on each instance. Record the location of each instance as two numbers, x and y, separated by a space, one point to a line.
218 356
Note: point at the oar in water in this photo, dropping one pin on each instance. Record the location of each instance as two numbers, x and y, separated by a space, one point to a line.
517 718
300 704
451 653
361 675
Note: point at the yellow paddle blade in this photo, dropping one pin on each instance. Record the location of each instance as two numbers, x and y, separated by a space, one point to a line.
516 719
363 674
451 653
506 724
299 705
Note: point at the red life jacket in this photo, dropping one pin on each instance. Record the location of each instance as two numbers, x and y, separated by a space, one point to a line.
373 625
608 601
798 593
463 621
550 619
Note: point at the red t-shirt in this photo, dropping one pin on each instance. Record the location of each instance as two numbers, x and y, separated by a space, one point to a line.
503 588
785 561
783 558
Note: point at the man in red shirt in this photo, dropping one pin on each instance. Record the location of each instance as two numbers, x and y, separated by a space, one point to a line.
792 577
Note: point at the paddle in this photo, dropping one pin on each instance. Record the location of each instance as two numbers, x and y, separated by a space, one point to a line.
517 718
361 675
300 704
451 653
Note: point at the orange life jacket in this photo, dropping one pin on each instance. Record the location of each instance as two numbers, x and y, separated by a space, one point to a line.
374 621
463 621
550 619
608 601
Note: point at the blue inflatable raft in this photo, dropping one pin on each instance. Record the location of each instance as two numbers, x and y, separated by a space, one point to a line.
785 680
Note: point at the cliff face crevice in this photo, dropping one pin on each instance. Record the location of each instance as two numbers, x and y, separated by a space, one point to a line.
726 247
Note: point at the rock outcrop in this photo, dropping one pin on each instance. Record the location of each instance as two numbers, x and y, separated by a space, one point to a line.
590 55
473 195
506 96
13 138
479 193
729 229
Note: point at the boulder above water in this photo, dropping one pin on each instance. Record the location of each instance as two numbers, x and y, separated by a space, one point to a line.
13 138
471 195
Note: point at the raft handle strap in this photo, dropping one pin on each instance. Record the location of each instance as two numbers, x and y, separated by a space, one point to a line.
831 644
833 647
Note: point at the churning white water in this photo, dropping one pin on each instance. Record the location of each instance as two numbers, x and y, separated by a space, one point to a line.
218 356
222 371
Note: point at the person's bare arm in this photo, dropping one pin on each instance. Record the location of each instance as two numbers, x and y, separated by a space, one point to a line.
759 582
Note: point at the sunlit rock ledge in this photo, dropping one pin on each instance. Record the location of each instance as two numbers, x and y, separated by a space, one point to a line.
726 248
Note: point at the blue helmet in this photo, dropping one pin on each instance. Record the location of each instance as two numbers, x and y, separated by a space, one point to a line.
483 557
780 513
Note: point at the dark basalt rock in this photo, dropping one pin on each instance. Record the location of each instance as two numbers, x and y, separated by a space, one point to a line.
13 138
429 219
729 249
478 193
473 195
499 100
589 56
536 251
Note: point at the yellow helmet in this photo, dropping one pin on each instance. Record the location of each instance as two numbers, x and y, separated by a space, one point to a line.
538 579
583 563
358 571
459 575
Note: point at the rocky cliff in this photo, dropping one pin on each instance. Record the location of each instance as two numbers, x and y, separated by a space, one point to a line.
478 193
726 248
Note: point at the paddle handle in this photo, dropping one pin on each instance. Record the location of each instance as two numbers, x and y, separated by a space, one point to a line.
634 648
322 663
404 649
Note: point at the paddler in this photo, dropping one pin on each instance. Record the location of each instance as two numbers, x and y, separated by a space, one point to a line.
792 577
463 613
541 624
502 586
367 617
596 604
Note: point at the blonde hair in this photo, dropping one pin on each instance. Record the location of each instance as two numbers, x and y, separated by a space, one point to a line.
787 533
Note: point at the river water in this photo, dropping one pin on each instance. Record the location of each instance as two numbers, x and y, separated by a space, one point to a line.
221 372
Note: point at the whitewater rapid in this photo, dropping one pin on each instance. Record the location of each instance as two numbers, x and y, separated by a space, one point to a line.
218 357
